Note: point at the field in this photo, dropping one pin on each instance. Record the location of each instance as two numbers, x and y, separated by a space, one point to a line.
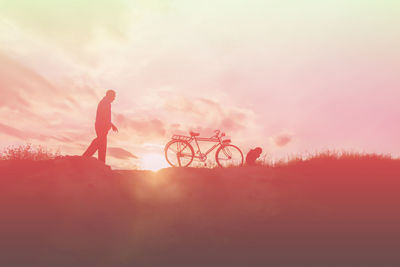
324 211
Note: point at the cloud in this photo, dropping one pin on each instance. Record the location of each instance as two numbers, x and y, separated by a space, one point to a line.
23 135
17 79
208 113
120 153
147 127
231 124
11 131
282 140
195 106
28 91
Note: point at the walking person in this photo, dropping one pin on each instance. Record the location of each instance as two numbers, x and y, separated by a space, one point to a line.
103 125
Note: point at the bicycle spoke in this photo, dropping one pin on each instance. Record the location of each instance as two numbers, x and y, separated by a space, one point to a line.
179 153
227 152
175 151
179 146
229 156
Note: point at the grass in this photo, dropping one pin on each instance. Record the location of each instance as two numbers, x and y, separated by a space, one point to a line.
328 156
28 152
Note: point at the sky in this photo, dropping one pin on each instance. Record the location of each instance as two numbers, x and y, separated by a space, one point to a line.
293 77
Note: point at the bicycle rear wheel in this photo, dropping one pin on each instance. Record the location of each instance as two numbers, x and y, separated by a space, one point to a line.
179 153
229 156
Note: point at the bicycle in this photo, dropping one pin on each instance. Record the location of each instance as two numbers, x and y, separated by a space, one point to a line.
180 153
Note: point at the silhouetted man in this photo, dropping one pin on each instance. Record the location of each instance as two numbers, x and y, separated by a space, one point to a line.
253 155
103 125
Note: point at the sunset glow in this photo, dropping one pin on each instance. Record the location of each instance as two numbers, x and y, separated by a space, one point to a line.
153 162
291 77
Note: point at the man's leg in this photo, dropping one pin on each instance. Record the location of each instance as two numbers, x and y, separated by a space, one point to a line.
92 148
102 146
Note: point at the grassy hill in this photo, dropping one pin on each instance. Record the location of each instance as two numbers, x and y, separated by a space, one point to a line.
325 211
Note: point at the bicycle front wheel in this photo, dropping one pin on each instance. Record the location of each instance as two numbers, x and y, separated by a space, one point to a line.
179 153
229 156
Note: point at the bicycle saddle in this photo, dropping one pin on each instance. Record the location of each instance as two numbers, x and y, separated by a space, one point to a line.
194 134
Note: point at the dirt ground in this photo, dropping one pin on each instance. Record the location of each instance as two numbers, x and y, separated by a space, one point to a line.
322 212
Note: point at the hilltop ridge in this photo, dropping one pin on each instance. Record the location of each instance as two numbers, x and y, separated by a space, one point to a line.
323 211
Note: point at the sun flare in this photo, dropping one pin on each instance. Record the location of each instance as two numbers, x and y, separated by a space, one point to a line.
153 162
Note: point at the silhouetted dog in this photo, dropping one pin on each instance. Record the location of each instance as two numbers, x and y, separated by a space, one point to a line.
253 155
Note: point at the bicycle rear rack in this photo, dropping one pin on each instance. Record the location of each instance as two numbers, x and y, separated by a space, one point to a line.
181 137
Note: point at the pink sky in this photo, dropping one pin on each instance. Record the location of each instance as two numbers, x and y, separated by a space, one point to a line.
290 77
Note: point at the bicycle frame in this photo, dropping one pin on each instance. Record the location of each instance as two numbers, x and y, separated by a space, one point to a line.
203 139
198 154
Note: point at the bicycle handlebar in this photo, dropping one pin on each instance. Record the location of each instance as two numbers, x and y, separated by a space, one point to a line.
217 134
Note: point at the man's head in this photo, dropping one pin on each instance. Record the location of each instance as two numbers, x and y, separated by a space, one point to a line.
110 95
